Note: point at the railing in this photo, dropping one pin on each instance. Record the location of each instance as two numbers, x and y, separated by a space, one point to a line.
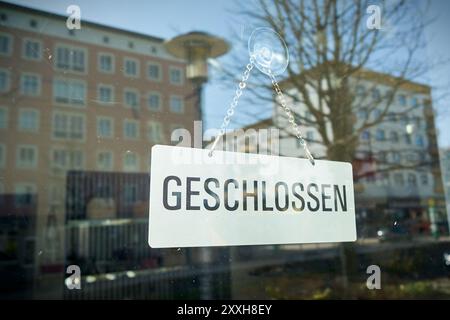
164 283
117 263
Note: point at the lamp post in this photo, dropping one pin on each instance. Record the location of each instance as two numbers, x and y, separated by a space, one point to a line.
196 48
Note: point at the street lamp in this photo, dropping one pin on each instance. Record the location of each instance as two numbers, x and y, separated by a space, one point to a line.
196 48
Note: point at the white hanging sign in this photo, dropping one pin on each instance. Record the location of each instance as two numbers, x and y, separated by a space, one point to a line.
230 198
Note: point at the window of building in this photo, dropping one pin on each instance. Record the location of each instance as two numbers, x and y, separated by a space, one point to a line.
28 120
131 67
59 158
104 190
376 95
5 44
309 116
360 91
382 179
68 126
106 63
154 131
380 135
67 159
412 180
33 24
382 156
4 80
396 157
365 135
376 114
32 49
154 101
362 114
30 84
130 129
411 157
130 193
154 71
131 98
297 117
389 94
3 118
423 157
393 136
415 102
69 92
71 58
2 155
309 135
176 75
424 179
130 161
175 126
398 179
105 127
419 141
418 122
407 138
402 100
391 117
24 194
404 119
105 94
176 104
56 195
105 160
370 178
26 157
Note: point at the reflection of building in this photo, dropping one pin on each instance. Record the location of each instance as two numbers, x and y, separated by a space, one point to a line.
396 165
445 167
94 99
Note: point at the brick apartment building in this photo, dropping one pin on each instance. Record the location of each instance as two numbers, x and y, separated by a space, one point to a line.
89 100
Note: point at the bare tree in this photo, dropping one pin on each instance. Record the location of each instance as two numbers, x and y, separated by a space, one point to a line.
331 52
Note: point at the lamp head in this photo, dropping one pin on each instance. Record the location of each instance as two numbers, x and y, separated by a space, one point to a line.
196 48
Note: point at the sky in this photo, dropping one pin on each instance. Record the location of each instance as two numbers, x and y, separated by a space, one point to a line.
169 18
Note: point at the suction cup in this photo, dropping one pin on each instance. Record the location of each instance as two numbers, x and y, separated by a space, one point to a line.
269 51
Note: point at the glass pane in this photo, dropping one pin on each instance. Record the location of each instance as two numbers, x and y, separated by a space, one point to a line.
82 106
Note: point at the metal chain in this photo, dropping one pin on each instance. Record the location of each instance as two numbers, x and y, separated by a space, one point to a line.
234 103
290 116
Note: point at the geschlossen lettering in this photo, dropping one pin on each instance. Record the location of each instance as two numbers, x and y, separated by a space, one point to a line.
195 193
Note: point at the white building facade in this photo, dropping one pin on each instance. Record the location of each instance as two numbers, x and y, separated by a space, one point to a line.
396 163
